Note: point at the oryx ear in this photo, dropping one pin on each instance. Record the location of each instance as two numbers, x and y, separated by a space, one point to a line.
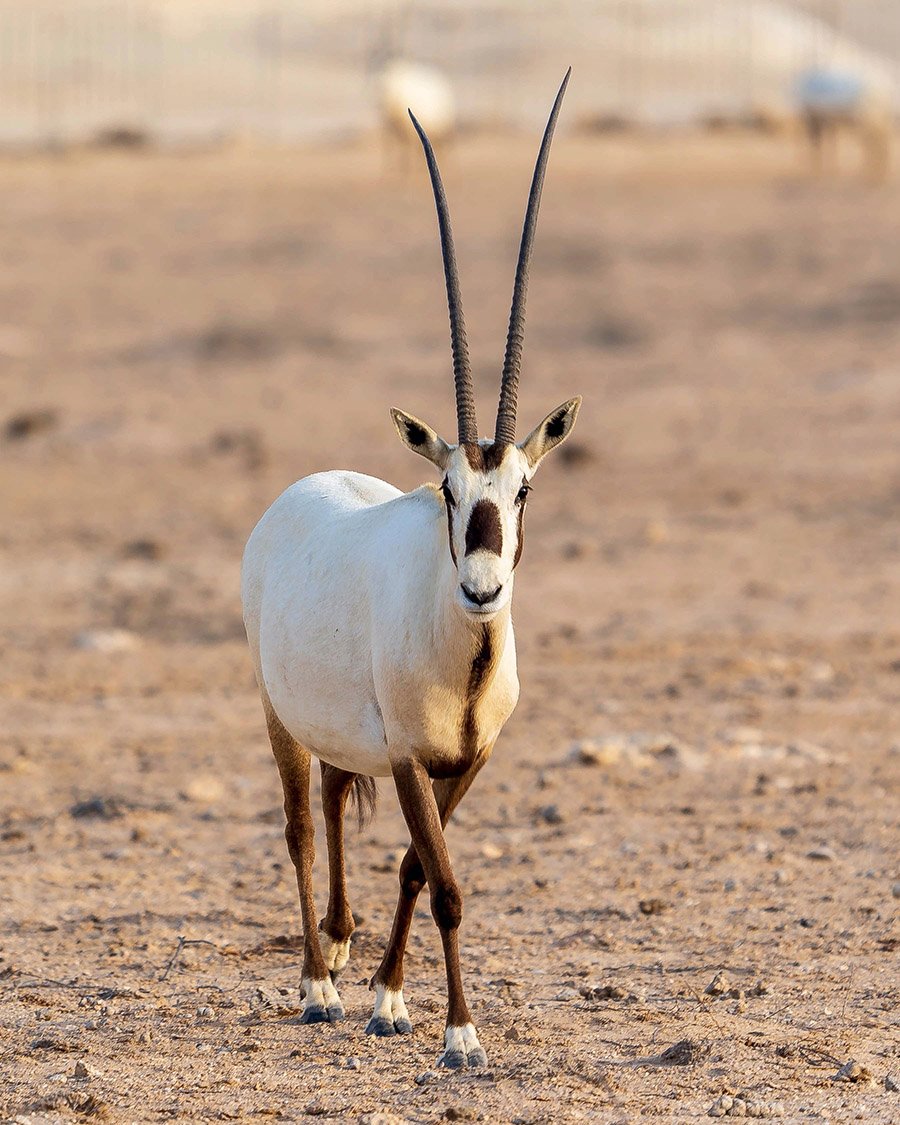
554 429
420 438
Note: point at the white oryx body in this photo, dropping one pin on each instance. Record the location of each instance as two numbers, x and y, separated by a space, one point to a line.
356 628
379 624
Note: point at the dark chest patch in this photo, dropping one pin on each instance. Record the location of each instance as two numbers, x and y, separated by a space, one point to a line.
480 673
482 664
484 532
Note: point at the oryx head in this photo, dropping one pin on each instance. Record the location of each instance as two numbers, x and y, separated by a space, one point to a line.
486 483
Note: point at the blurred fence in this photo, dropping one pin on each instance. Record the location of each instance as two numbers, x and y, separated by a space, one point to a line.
291 69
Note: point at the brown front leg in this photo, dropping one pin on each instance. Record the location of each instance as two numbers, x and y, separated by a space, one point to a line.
388 980
426 809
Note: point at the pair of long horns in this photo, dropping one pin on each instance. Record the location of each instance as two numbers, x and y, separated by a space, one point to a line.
512 360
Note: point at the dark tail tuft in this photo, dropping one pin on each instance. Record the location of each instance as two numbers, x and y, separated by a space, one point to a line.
364 795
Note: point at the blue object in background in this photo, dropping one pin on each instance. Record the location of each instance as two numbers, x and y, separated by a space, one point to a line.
829 91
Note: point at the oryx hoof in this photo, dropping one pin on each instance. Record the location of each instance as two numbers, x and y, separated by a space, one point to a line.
323 1005
461 1048
390 1016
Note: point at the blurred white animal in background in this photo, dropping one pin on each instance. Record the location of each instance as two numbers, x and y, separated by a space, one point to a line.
401 84
832 101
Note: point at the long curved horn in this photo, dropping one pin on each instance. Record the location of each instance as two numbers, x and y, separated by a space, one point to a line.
462 371
512 361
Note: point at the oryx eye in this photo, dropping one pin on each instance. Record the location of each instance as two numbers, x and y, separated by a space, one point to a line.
522 494
448 495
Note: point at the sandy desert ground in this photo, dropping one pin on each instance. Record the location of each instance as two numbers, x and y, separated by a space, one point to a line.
702 775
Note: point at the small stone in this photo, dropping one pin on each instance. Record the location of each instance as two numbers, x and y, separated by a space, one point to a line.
743 1105
720 985
391 861
107 641
595 752
852 1071
568 994
491 851
891 1084
895 890
100 808
682 1053
205 1012
656 532
204 789
550 814
29 422
82 1070
353 1063
381 1118
744 735
426 1077
652 906
822 672
823 853
148 549
604 992
461 1113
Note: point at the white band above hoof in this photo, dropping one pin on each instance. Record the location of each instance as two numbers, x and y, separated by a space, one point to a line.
461 1048
390 1016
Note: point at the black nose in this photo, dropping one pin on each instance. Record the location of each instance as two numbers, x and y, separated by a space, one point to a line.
480 599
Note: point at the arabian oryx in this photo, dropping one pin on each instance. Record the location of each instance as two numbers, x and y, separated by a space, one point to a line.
379 623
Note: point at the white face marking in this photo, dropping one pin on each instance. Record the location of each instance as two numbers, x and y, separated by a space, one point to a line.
500 492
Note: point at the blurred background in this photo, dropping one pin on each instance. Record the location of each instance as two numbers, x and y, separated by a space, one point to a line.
182 70
219 267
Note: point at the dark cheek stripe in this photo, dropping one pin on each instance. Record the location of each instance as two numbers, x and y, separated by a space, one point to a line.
484 532
450 533
520 532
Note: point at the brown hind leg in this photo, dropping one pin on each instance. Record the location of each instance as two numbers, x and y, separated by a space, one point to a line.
322 1000
337 925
